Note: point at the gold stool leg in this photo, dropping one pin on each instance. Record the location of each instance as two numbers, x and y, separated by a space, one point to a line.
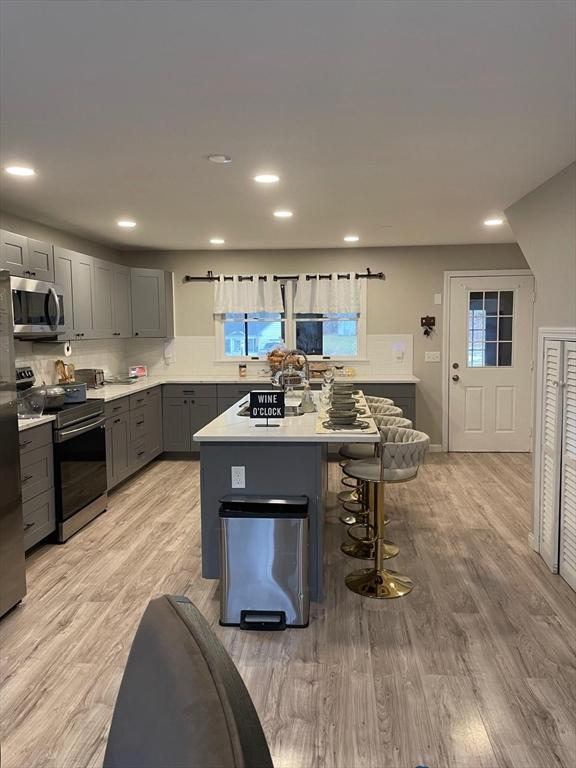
364 547
378 582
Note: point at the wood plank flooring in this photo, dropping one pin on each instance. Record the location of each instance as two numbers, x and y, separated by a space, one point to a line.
476 668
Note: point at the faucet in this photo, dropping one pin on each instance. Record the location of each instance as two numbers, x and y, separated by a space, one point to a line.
287 371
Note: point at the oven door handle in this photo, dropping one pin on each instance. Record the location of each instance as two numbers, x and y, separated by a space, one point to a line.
62 435
57 302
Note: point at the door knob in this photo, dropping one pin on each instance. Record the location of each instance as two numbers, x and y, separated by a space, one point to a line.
455 366
456 378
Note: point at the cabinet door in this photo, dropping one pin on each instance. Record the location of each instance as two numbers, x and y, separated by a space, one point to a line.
122 302
154 409
14 253
40 260
82 290
148 302
103 299
176 424
117 449
63 276
202 411
567 551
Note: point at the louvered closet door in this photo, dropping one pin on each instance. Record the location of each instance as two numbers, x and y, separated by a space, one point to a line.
550 452
567 553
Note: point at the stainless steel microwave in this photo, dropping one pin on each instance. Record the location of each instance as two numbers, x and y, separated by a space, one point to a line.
38 308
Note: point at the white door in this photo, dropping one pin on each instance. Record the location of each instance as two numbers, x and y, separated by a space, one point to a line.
490 348
567 549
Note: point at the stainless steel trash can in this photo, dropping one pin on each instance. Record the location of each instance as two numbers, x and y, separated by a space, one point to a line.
264 562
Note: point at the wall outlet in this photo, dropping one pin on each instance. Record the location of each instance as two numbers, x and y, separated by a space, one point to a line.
238 477
432 357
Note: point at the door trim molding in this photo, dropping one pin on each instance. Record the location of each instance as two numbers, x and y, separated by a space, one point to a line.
448 275
543 335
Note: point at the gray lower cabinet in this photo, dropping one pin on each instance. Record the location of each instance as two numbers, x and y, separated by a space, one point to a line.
182 417
133 433
404 396
118 455
229 394
37 479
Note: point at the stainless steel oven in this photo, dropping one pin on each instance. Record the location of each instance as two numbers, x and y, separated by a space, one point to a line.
38 308
79 466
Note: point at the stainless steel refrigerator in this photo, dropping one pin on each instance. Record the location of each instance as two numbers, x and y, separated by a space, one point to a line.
12 569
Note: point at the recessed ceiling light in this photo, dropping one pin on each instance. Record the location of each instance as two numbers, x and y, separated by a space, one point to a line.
283 214
217 241
20 170
493 222
351 238
126 223
266 178
221 159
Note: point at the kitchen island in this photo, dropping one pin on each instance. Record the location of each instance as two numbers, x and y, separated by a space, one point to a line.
286 460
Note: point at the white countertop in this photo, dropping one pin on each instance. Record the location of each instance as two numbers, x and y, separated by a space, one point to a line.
114 391
231 428
24 424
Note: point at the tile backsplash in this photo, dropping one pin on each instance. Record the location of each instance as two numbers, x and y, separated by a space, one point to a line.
191 356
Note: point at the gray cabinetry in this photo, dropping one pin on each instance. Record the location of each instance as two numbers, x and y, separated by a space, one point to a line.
186 408
152 303
133 433
118 456
103 299
82 290
40 260
228 394
37 478
13 253
24 257
122 303
404 396
63 276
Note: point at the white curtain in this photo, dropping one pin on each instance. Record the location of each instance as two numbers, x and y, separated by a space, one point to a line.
247 296
316 296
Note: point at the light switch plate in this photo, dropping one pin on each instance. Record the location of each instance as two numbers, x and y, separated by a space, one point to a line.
238 477
432 357
437 298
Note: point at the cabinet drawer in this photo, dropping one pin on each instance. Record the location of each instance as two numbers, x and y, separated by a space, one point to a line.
37 472
138 399
189 390
139 454
35 437
39 518
116 407
139 423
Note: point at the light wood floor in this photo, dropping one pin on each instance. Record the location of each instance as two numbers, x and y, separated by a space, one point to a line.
474 669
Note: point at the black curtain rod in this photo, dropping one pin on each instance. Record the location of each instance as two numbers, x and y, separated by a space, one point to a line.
210 277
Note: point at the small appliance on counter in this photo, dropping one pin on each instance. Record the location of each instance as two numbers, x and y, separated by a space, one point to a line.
92 377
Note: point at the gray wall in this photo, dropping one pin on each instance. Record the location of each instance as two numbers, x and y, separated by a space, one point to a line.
38 231
413 276
544 223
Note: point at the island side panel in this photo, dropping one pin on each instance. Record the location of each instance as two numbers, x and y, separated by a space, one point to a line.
271 468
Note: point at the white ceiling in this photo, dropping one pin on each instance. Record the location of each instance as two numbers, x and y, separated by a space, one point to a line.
405 122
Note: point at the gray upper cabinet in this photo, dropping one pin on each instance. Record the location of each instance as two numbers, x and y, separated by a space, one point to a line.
122 302
103 299
24 257
152 303
14 253
82 290
40 260
63 276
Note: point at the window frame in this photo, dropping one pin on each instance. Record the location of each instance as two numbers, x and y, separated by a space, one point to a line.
290 331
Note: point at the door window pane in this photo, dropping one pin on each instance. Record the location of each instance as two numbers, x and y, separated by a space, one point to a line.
490 319
491 302
506 302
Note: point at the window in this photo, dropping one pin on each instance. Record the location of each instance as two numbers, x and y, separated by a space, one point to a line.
328 335
490 318
338 336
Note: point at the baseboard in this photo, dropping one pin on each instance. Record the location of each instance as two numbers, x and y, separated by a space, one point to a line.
436 448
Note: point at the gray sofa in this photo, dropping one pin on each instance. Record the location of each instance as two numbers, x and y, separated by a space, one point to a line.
182 703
